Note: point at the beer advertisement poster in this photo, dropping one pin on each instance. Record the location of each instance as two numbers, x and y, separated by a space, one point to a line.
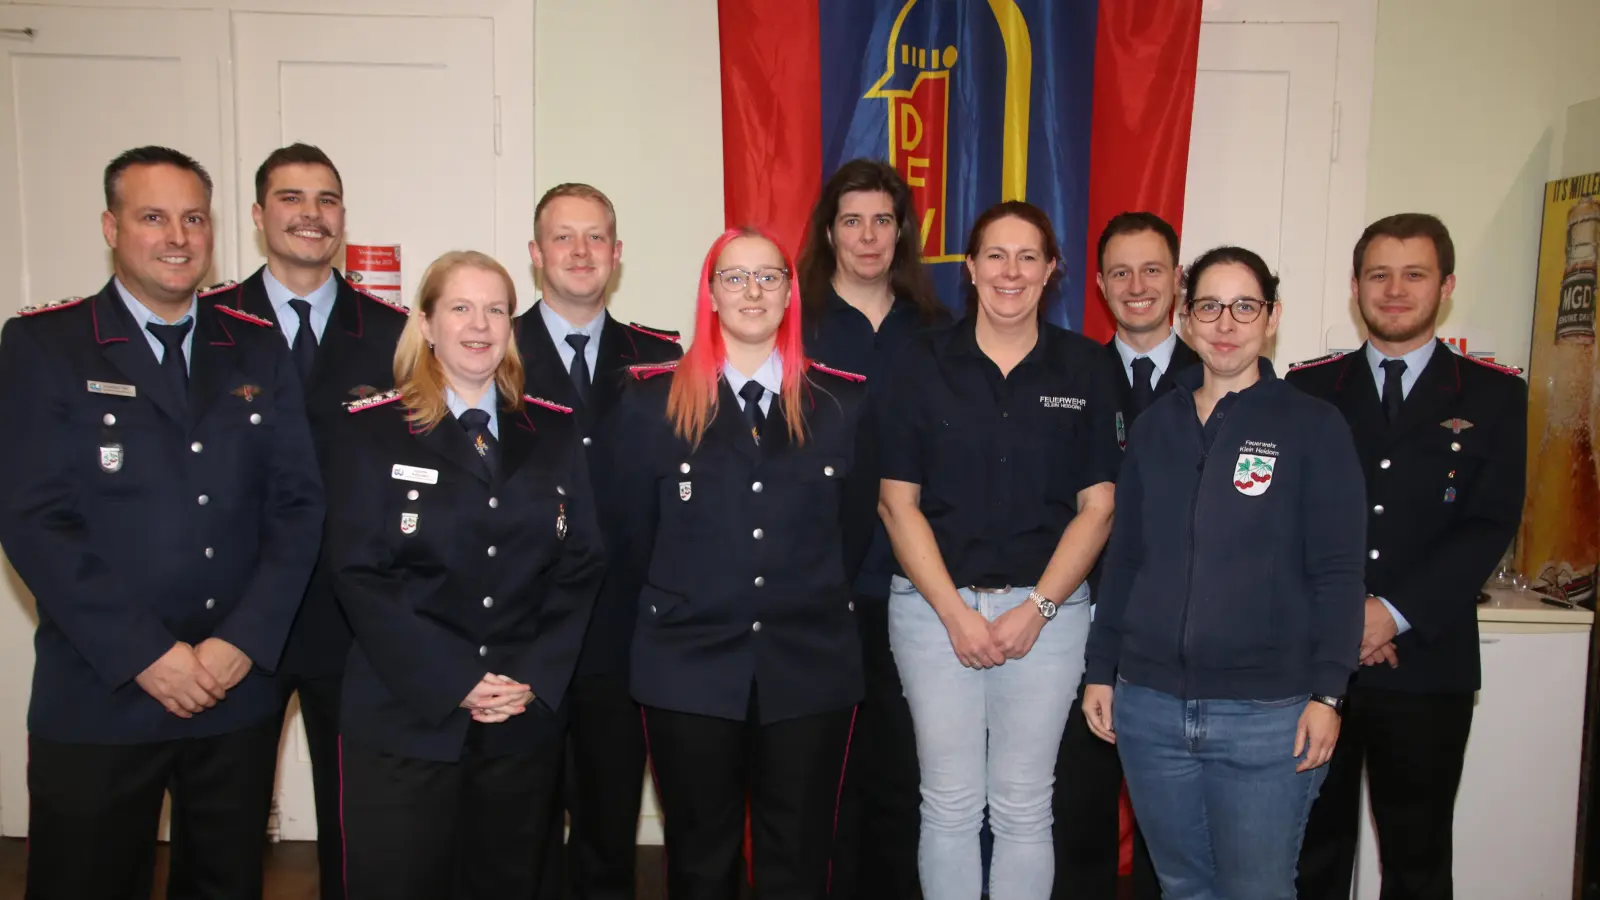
1559 542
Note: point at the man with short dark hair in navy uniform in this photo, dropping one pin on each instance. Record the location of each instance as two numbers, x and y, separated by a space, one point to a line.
1443 442
342 341
575 353
165 513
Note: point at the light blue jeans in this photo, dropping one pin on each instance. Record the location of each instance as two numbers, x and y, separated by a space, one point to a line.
987 736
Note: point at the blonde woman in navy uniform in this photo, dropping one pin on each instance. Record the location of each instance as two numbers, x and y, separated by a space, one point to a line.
746 658
466 555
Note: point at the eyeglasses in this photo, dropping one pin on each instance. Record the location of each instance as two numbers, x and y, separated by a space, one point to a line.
1243 311
767 279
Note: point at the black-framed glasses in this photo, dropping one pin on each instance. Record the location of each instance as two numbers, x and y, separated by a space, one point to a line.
735 279
1243 311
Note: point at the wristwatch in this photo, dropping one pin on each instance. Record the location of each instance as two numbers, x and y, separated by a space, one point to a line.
1336 702
1046 606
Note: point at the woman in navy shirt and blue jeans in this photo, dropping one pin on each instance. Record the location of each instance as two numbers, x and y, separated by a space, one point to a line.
1231 601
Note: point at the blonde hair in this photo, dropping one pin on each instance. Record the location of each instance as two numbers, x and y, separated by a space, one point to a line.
417 372
575 189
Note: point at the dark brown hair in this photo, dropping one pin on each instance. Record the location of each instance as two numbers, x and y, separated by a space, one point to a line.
1405 226
292 155
817 264
1251 260
151 156
1136 223
1033 215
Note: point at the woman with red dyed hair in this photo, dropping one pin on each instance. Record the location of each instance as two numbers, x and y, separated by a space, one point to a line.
736 469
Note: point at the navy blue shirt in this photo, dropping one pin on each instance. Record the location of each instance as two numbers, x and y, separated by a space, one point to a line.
843 337
1000 458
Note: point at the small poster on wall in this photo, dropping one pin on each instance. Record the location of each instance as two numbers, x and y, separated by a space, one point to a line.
1559 542
375 268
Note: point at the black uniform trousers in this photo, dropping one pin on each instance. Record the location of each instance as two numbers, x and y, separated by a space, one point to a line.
880 819
108 797
319 710
417 829
606 759
1413 745
1087 811
790 772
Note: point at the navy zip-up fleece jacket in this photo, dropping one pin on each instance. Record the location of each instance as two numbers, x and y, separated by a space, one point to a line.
1235 565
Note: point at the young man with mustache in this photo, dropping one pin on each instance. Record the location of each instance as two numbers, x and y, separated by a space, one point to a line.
342 340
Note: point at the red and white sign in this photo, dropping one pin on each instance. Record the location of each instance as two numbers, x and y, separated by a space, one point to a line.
375 268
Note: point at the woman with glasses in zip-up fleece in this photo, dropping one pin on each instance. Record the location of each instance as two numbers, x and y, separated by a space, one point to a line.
1230 607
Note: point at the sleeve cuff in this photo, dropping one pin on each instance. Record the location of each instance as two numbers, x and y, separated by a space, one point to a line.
1399 620
1330 680
1100 672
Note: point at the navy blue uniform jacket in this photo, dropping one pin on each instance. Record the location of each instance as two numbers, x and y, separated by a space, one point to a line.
605 646
742 555
447 581
137 521
1234 569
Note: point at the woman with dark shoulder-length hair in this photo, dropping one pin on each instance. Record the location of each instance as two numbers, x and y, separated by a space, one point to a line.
466 555
866 294
999 450
738 462
1231 603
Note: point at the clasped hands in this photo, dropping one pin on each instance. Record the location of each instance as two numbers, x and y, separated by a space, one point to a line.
191 679
497 698
982 644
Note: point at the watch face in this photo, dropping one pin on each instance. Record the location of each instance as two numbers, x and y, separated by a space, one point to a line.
1047 608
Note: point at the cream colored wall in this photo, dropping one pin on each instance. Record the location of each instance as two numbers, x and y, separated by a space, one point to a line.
1469 104
627 98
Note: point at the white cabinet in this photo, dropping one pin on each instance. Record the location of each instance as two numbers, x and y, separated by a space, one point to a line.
1516 813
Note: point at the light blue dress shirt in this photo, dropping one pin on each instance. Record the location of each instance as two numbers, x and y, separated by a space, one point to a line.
487 403
559 328
1160 354
321 301
143 316
1416 361
769 376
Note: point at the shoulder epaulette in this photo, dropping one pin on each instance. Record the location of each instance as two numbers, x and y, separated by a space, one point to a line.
540 401
218 288
672 336
52 306
243 316
1319 361
379 300
375 400
848 376
650 371
1509 370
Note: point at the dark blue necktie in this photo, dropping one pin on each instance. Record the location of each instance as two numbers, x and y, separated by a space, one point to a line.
1394 390
173 365
476 423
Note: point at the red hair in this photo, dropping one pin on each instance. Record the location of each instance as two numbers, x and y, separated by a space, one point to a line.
692 403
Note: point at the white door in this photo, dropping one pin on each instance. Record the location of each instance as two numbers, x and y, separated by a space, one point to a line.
73 95
405 107
1260 156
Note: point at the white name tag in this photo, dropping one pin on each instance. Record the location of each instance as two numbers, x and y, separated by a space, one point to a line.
112 388
413 473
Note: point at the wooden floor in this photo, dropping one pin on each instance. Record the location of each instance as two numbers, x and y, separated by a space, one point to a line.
291 871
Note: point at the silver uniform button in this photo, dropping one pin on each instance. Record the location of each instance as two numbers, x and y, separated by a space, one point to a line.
757 534
196 447
684 468
828 471
483 651
1383 464
1372 554
1455 446
852 606
493 551
755 626
588 442
652 609
488 603
493 503
1378 510
203 500
109 419
561 490
756 487
760 581
211 603
412 495
210 553
255 418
